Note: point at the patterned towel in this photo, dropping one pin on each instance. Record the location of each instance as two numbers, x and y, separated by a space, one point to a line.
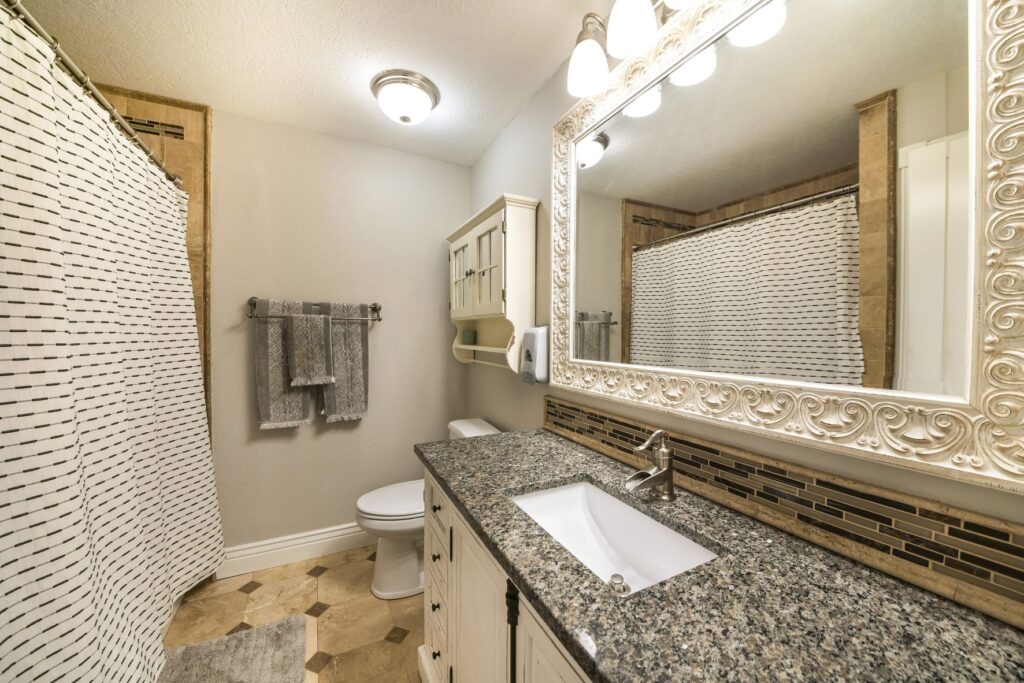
346 399
309 350
278 403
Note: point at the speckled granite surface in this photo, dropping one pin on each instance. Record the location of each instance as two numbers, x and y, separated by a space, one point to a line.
772 607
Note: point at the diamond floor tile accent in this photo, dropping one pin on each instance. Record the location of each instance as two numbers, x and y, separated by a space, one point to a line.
318 661
242 626
317 570
372 557
317 609
250 587
396 635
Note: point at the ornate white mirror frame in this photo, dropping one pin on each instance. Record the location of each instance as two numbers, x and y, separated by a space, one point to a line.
979 438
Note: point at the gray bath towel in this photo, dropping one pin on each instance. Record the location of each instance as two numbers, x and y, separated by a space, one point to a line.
309 350
346 399
278 403
593 335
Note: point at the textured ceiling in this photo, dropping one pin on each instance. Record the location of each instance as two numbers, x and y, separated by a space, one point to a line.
308 63
782 111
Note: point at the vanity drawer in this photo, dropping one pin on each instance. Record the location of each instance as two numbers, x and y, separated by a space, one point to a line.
437 651
437 510
436 558
436 609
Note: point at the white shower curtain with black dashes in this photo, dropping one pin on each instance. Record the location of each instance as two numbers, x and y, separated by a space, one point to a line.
108 510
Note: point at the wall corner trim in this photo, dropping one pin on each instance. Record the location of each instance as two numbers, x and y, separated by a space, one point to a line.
272 552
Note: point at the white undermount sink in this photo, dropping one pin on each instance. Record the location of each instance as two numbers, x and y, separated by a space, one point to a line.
610 537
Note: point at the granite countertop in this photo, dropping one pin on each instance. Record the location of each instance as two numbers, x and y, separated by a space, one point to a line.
770 607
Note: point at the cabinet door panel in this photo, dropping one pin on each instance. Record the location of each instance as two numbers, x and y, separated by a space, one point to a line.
489 253
538 658
462 279
477 613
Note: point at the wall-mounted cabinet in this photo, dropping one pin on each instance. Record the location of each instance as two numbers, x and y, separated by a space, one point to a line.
492 275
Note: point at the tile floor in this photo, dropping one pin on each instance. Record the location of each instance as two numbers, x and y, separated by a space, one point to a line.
350 634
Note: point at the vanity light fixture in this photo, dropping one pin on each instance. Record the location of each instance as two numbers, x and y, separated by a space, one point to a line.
588 65
696 69
632 28
759 26
645 105
405 97
590 151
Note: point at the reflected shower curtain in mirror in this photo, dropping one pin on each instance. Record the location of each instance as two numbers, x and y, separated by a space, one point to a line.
774 296
108 510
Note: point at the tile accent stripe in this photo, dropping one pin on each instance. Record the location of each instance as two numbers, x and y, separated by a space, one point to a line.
974 560
168 130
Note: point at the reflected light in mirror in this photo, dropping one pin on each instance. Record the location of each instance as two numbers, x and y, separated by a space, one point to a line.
632 28
645 105
760 26
590 151
588 69
697 69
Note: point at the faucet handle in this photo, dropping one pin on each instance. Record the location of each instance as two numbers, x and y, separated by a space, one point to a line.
658 434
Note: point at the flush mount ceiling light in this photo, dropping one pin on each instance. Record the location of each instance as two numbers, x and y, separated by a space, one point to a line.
405 97
645 105
759 26
590 151
588 66
697 68
632 28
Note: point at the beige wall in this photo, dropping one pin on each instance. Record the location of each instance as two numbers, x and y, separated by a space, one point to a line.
598 256
301 215
519 160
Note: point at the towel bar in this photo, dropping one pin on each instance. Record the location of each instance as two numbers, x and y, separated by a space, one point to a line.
374 308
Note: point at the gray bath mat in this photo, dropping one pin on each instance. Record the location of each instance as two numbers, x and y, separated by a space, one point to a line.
275 653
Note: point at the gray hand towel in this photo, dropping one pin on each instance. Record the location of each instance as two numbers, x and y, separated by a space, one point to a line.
309 350
278 403
346 399
593 335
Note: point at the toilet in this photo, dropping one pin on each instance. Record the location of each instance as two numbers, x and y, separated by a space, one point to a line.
394 514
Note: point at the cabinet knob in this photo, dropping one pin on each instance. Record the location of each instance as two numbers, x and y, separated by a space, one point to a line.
470 272
435 508
434 606
435 654
435 557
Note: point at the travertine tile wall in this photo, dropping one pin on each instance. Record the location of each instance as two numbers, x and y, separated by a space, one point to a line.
969 558
877 212
177 133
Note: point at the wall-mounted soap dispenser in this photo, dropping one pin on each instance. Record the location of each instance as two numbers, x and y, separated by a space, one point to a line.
533 366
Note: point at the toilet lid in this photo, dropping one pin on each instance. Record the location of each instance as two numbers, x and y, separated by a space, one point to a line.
398 501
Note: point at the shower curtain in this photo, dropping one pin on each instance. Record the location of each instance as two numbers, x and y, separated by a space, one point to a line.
774 296
108 510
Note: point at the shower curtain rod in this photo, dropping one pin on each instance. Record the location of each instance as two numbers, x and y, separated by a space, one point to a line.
803 201
19 11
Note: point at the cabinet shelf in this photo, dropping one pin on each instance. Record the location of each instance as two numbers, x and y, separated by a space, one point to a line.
491 281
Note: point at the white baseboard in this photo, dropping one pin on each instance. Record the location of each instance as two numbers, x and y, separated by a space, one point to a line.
251 557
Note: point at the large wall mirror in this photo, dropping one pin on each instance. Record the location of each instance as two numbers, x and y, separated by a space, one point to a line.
793 233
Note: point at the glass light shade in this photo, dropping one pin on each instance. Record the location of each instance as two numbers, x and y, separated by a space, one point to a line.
632 28
696 69
680 4
588 69
645 105
404 103
759 26
589 152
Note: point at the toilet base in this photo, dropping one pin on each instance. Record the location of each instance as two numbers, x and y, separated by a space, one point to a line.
398 568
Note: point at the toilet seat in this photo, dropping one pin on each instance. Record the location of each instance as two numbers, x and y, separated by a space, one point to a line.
396 502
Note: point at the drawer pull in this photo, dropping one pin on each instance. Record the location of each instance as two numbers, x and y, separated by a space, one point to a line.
435 654
434 606
435 557
435 508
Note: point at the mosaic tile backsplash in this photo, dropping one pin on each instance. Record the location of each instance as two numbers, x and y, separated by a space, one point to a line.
952 552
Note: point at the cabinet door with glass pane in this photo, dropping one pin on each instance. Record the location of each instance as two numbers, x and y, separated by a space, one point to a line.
461 278
488 241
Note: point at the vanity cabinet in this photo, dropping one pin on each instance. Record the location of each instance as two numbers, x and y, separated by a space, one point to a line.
491 261
473 615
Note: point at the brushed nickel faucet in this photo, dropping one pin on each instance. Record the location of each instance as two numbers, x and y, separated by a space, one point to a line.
658 477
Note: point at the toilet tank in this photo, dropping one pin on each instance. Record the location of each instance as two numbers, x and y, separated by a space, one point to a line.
460 429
